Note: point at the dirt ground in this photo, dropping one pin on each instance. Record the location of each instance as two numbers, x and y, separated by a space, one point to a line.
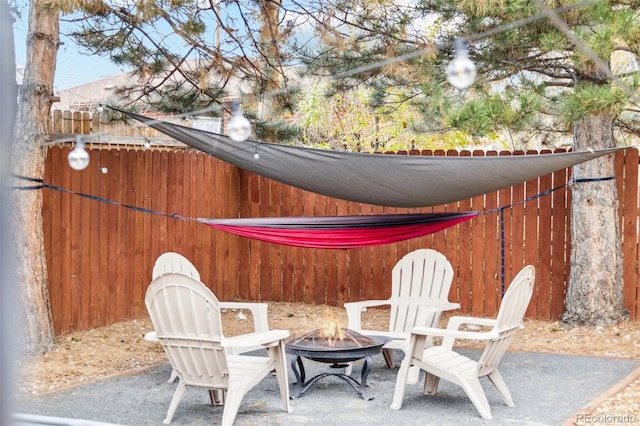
121 349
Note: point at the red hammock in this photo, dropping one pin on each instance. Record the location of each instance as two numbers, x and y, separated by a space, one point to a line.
340 232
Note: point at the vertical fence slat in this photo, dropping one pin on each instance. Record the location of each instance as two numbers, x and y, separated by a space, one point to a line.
627 173
94 275
342 262
560 251
142 272
319 258
255 246
379 268
122 289
297 253
543 255
53 235
134 281
331 261
477 258
517 231
275 210
491 251
464 255
531 234
66 271
308 274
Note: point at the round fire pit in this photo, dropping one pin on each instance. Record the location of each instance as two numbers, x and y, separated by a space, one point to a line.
337 346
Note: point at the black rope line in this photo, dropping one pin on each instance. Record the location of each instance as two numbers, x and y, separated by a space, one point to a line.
582 180
502 239
96 198
533 197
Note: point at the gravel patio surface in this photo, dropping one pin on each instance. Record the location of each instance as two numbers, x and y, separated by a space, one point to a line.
547 389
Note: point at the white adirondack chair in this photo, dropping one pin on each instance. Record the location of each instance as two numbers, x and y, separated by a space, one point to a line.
171 262
420 284
444 362
186 316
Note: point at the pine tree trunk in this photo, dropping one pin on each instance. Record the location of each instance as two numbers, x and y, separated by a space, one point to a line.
271 73
31 133
594 295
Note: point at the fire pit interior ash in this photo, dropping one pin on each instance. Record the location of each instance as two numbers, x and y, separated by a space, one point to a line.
342 346
336 346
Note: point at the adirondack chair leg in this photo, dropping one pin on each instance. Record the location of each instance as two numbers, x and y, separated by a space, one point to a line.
401 381
414 375
501 386
277 352
173 377
474 390
431 382
217 396
388 357
232 405
177 396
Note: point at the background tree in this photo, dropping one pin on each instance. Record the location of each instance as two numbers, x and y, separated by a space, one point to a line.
28 157
537 75
191 55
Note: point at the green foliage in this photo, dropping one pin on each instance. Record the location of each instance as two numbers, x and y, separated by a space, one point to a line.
482 115
275 131
362 120
587 99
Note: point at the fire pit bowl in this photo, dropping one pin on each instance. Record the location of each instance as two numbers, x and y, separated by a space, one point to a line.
337 347
352 346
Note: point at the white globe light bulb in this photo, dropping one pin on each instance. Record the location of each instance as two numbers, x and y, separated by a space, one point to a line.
147 144
461 71
256 156
239 127
78 157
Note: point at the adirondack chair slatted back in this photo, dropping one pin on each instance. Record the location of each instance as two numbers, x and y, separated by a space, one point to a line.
171 262
186 316
421 278
509 319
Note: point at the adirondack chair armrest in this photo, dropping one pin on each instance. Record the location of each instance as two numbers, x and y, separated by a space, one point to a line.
450 336
458 321
355 309
266 338
258 311
441 307
425 313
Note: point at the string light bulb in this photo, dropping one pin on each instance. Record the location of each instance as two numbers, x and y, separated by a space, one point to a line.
461 71
239 126
147 144
103 170
78 157
256 154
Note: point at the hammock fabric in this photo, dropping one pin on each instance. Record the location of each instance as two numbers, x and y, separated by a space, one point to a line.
340 232
384 180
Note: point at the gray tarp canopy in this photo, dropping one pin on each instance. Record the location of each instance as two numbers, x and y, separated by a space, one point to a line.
384 180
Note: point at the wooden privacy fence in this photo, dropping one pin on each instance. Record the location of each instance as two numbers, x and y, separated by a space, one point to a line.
100 254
